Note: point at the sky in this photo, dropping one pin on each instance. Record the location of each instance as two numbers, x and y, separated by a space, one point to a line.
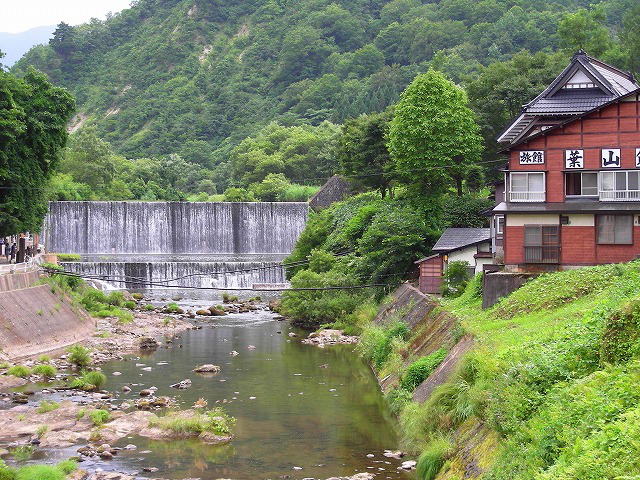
19 15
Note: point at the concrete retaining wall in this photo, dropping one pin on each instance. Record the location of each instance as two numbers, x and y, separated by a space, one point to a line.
408 304
498 285
15 281
34 321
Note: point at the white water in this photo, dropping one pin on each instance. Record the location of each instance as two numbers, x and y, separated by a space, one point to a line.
176 244
173 227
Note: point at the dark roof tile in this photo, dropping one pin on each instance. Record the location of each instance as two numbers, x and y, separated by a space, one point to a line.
456 238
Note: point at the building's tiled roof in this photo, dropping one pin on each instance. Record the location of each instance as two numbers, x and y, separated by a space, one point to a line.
570 102
456 238
556 102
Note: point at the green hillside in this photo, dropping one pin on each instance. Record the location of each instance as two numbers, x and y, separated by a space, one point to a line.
171 76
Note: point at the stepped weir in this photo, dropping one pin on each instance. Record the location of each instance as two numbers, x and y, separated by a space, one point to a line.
176 244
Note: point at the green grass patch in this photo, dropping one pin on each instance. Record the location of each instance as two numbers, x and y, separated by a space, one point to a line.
192 422
99 417
79 356
20 371
48 371
46 406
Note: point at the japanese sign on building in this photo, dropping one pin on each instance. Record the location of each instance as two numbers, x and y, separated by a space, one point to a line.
610 157
531 157
637 157
574 158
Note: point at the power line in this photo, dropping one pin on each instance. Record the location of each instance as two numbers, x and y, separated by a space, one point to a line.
311 179
233 289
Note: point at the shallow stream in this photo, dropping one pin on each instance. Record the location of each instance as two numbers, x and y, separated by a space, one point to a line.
301 411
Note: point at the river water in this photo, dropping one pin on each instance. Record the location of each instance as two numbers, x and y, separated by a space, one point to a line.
301 411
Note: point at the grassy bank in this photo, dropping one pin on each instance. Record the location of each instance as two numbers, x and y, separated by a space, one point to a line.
551 383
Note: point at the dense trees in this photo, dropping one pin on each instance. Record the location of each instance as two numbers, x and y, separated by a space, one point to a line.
363 154
33 117
155 78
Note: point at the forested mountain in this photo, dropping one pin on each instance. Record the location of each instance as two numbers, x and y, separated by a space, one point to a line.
197 78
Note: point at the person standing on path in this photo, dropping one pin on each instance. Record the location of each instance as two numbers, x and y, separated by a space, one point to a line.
7 250
14 250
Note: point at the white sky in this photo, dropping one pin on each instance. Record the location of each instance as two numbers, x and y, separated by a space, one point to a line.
19 15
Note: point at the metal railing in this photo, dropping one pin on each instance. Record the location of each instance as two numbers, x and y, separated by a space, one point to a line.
542 254
620 195
526 196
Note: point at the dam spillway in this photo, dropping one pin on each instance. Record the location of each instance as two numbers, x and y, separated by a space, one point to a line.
141 245
174 227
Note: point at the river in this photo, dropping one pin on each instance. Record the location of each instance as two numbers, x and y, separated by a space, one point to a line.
302 411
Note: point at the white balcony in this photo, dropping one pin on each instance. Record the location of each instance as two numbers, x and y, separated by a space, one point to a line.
620 195
527 196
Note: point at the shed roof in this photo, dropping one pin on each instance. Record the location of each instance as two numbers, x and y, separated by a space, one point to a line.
457 238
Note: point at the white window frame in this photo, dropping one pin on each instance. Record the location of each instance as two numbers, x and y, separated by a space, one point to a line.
528 196
613 194
582 194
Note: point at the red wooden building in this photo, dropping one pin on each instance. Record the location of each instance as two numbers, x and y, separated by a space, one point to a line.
572 183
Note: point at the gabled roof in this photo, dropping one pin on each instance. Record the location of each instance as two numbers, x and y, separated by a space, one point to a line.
565 122
586 83
457 238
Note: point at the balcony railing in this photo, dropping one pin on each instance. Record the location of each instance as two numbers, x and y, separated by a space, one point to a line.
542 254
526 196
620 195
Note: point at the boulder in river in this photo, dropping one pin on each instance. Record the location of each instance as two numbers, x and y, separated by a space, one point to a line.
203 313
182 385
217 310
207 368
148 343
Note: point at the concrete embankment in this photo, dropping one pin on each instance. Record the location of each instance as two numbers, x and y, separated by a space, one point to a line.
34 320
432 328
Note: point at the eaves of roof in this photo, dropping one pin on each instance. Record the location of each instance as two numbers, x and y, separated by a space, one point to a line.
569 120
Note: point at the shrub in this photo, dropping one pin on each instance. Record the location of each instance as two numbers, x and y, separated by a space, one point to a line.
99 417
67 466
47 407
455 277
376 342
397 399
89 381
79 356
420 370
228 298
19 371
149 307
48 371
432 458
44 358
22 452
115 298
172 308
42 430
6 472
94 300
130 304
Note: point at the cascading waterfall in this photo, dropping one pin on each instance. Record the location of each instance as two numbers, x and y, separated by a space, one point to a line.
135 244
173 227
228 275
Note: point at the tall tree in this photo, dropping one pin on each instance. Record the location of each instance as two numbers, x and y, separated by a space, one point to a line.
585 30
433 137
630 36
33 119
363 154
